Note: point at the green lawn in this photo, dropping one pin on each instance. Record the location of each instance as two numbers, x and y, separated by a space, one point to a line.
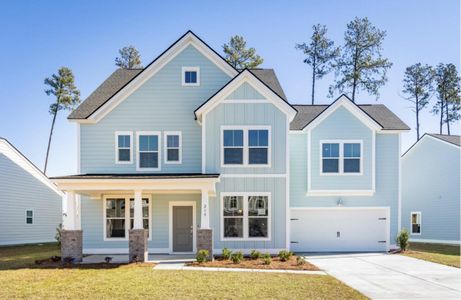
20 278
442 254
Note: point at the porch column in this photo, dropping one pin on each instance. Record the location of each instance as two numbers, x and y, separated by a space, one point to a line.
71 234
205 233
137 235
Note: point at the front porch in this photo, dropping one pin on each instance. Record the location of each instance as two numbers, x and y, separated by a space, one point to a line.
136 215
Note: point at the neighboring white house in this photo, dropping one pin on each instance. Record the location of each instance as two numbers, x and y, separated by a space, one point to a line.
431 189
31 203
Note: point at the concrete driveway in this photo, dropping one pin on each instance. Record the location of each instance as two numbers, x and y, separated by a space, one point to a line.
392 276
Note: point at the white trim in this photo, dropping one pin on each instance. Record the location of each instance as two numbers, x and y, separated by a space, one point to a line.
247 251
245 217
79 159
253 175
254 82
418 213
19 159
159 152
364 193
117 134
190 69
165 145
399 206
127 218
308 164
341 157
246 147
287 187
373 160
204 143
170 225
446 242
33 216
189 39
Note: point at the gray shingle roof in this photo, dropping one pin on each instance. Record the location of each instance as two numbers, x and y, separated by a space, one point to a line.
121 77
378 112
453 139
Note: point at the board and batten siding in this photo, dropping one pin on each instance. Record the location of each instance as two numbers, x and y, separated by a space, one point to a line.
387 174
21 191
431 185
245 92
160 104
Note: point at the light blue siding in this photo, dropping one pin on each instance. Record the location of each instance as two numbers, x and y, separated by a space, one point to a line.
431 185
341 125
21 191
160 104
386 195
244 92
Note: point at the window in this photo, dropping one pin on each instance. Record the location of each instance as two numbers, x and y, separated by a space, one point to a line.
190 76
245 217
148 151
173 147
123 146
341 157
118 219
249 146
29 217
416 223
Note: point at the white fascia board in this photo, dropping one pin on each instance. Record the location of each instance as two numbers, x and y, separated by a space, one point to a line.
255 83
153 68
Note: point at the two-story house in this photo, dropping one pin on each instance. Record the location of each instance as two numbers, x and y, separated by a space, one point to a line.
190 153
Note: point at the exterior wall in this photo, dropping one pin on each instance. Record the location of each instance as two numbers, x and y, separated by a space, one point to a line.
341 125
431 185
160 104
20 191
93 222
245 91
387 165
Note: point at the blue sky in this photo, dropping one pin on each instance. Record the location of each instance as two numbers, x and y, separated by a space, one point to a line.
40 36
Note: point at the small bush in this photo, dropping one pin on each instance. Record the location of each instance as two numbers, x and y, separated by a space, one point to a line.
300 260
57 236
202 256
254 254
108 259
226 253
267 259
284 255
237 257
402 239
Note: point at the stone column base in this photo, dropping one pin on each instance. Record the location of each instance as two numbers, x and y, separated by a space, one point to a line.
71 245
205 241
138 245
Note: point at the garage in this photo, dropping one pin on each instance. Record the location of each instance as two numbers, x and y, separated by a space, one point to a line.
339 229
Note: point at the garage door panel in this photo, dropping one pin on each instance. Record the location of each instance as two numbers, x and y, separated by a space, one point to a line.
323 230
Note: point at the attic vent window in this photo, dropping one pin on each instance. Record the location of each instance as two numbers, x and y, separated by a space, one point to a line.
190 76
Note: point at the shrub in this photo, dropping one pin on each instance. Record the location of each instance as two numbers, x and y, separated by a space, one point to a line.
108 259
267 259
202 256
254 254
226 253
57 236
237 257
300 260
402 239
284 255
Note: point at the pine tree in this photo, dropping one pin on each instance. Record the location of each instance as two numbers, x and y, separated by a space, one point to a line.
129 58
239 56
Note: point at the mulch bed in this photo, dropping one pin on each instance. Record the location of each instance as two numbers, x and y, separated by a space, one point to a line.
248 263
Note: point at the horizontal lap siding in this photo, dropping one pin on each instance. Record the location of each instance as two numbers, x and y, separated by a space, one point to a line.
20 191
431 185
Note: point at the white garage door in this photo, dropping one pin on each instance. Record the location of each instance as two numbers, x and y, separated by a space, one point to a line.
339 229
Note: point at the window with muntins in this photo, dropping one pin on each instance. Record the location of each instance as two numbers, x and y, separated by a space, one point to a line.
246 147
190 76
233 147
258 143
173 148
416 223
29 217
119 219
330 160
145 213
124 145
342 157
148 148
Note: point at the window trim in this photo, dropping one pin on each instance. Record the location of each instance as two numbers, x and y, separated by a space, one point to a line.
117 134
341 157
190 69
165 146
246 217
420 223
127 215
138 161
246 148
33 216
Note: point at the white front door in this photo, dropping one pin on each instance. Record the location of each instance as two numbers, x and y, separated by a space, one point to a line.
339 229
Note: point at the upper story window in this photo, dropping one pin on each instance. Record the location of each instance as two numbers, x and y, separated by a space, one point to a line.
173 147
190 76
124 146
416 223
148 151
341 157
246 146
29 217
